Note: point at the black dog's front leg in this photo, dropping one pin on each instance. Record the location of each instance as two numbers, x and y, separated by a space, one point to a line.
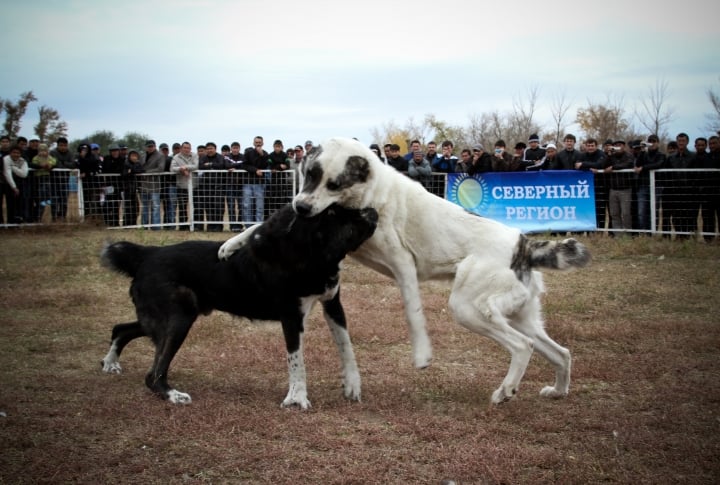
297 391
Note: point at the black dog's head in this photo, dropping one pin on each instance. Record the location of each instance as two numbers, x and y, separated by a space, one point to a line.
322 239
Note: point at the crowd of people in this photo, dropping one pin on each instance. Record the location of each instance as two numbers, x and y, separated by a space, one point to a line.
622 177
622 173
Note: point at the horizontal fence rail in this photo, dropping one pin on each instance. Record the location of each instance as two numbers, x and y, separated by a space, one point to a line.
666 201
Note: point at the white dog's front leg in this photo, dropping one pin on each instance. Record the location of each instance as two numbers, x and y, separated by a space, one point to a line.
350 373
234 243
297 391
419 339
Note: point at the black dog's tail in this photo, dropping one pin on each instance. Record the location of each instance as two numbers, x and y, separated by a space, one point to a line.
558 255
124 257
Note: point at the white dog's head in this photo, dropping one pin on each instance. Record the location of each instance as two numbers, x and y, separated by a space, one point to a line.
337 171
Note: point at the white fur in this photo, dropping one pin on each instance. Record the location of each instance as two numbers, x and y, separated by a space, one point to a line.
420 237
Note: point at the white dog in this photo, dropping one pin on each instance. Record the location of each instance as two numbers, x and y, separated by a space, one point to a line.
421 236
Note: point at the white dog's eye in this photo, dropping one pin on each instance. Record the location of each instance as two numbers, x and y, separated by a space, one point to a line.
333 185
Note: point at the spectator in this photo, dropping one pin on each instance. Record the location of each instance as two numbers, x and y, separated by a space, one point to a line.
592 160
502 161
677 196
183 165
235 161
447 161
64 178
43 164
31 150
419 169
309 147
213 186
296 164
620 185
112 168
567 157
414 147
131 169
275 195
89 166
711 199
256 162
95 149
649 159
15 171
168 193
481 160
533 153
4 151
153 163
519 155
547 161
176 149
386 151
431 155
396 160
375 148
465 160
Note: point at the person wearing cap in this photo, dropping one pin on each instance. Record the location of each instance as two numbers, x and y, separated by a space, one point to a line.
61 178
533 153
112 167
42 164
547 161
131 170
235 160
153 163
481 160
309 147
375 148
419 169
502 161
648 160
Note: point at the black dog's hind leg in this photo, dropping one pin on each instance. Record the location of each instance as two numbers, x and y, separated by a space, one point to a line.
335 318
167 343
297 391
122 334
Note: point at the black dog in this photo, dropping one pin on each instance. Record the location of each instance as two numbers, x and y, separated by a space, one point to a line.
289 264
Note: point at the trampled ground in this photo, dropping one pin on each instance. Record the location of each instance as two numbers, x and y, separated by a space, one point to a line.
642 322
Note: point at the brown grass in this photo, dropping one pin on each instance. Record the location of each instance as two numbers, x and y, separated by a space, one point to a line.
644 407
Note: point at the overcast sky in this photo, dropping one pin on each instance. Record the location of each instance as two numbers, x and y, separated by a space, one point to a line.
223 71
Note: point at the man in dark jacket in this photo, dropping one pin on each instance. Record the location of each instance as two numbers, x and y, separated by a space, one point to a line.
257 162
591 160
649 159
153 163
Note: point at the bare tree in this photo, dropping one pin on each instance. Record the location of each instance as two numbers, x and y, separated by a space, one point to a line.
655 114
713 118
559 108
50 127
14 113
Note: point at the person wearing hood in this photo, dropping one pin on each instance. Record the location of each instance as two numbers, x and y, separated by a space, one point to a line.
43 163
15 171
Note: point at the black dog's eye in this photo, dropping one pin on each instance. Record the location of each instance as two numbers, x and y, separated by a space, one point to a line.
333 185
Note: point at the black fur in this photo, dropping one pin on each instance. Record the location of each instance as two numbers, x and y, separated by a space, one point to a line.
286 258
530 253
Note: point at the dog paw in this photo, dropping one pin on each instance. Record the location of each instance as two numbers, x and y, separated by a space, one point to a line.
177 397
502 395
351 387
422 353
552 393
111 367
300 401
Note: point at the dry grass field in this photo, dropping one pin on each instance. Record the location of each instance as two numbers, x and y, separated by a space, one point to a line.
643 323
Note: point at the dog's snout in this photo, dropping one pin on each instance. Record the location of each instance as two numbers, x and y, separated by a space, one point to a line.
302 208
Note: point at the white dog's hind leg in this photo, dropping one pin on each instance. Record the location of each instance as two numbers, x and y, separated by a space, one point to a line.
483 312
350 373
529 322
297 391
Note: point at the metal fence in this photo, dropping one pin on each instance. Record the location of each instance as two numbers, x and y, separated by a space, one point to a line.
665 202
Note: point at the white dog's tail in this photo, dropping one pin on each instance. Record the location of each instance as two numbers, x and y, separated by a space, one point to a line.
558 255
